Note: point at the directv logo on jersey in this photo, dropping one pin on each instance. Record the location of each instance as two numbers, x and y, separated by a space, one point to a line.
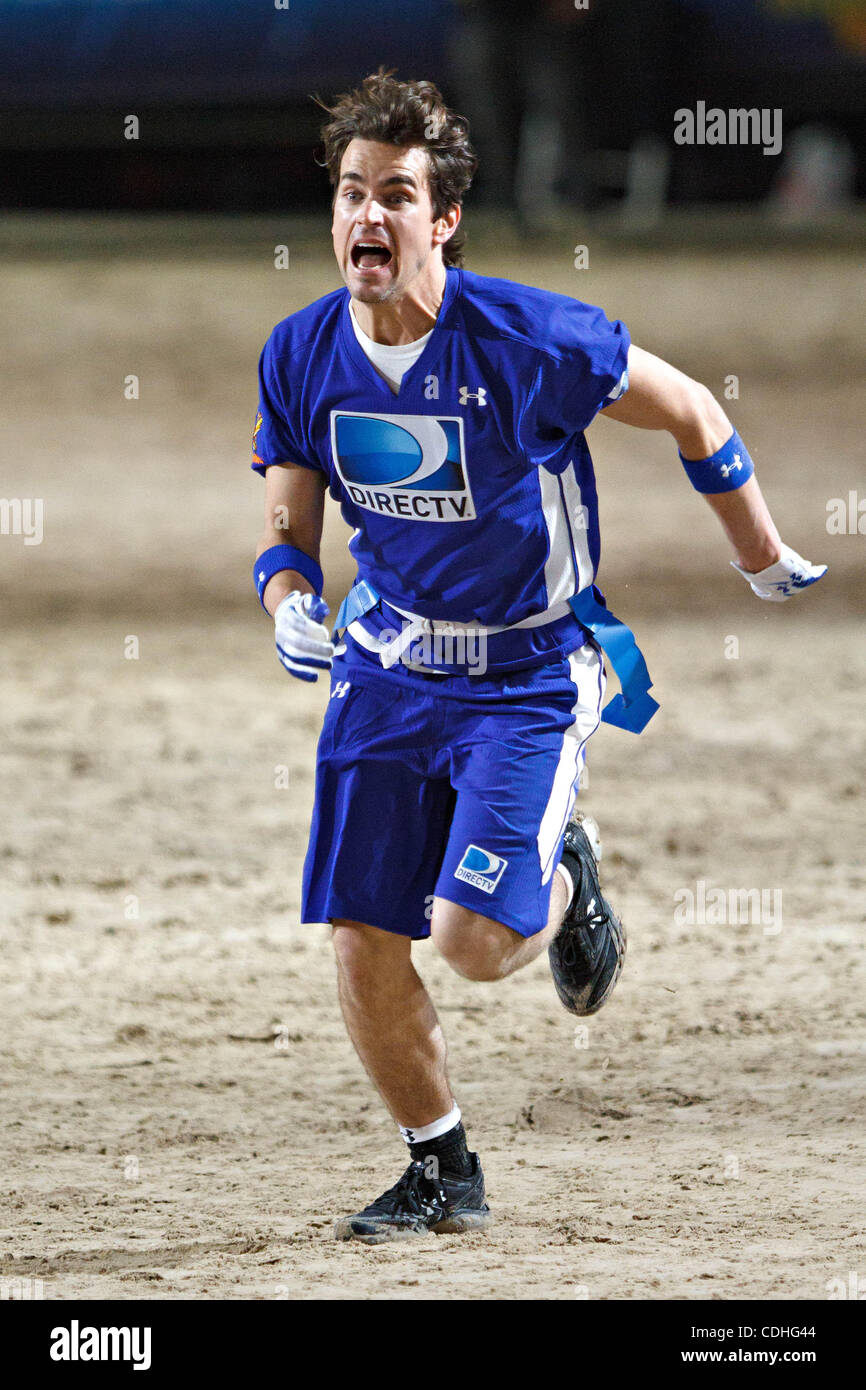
410 466
480 868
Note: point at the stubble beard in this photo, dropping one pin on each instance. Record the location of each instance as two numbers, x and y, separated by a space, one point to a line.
397 288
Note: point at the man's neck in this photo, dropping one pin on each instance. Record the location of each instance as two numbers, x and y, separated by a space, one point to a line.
408 318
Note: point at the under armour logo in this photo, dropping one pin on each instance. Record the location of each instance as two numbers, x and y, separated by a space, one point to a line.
261 575
794 582
466 395
340 690
727 468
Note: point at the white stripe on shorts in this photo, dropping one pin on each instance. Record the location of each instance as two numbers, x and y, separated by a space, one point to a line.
587 673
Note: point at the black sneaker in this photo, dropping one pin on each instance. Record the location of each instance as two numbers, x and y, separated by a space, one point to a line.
418 1204
587 953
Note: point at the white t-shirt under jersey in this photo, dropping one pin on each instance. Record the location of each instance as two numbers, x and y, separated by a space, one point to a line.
392 363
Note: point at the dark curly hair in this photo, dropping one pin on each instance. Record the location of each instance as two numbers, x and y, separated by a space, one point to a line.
406 113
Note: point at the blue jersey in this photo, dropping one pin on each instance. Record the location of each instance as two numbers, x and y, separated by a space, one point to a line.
471 491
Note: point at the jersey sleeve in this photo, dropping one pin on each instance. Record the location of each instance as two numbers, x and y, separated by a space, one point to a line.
584 367
276 438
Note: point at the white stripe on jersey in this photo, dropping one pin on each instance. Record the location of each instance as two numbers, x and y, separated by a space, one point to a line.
567 522
620 388
587 674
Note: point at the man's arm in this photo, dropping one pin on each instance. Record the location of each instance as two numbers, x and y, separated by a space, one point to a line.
294 514
661 398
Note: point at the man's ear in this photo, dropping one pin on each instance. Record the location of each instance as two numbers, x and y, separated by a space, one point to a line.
445 227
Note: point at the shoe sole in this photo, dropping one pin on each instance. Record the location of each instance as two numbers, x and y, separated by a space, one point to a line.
453 1225
590 829
612 982
609 988
463 1221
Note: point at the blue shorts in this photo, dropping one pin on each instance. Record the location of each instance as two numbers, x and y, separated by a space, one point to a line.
455 786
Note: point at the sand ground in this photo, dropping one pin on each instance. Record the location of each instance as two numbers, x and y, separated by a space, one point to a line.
183 1115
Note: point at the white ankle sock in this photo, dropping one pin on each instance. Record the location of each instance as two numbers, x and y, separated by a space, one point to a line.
569 886
433 1130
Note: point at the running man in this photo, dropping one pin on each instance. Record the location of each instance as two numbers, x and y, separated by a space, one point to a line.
445 412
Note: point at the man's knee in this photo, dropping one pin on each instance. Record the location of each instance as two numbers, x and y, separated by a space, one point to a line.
368 957
477 947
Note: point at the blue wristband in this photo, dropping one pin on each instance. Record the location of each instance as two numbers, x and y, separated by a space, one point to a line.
285 557
723 471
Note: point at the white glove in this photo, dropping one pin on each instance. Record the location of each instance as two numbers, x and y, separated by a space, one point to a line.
303 644
786 577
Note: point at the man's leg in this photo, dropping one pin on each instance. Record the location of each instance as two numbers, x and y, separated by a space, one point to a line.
482 949
392 1022
585 940
382 800
502 896
393 1025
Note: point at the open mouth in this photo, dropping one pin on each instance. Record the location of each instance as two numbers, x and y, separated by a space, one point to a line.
370 255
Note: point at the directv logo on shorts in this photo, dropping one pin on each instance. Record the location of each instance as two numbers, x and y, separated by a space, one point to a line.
480 868
410 466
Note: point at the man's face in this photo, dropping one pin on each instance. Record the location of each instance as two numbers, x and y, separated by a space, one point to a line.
384 230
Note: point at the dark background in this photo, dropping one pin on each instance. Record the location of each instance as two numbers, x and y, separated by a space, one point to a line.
222 90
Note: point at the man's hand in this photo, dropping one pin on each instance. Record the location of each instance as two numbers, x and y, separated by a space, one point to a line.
303 644
786 577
